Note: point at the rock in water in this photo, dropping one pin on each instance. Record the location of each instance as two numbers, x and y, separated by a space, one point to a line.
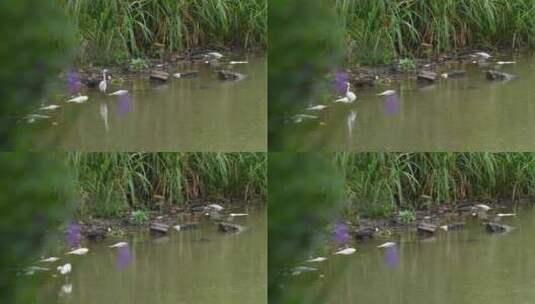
230 75
364 233
498 228
230 228
497 75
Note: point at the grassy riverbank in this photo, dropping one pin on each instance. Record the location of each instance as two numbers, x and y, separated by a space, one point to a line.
110 183
378 184
121 29
378 31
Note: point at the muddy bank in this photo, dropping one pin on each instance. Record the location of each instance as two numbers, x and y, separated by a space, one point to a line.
217 58
443 66
444 217
97 229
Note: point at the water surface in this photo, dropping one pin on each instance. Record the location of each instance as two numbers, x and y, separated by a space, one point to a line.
463 114
466 266
200 114
196 266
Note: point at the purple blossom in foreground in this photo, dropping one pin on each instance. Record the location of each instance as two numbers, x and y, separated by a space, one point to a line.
74 235
124 257
340 79
73 82
391 257
124 106
341 233
391 105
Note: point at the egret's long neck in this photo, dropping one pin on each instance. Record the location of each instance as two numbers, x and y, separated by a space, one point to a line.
104 76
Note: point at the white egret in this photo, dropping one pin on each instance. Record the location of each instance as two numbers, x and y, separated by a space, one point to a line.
103 84
386 245
49 260
119 93
119 245
349 96
79 99
346 251
65 269
317 260
317 108
387 93
79 251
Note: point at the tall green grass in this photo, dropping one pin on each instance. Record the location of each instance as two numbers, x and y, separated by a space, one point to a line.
377 184
380 30
110 183
115 29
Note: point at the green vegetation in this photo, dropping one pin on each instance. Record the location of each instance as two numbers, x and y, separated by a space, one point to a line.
110 183
378 31
379 184
115 30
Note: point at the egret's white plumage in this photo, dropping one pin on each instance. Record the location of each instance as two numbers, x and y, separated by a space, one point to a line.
79 251
66 289
238 62
79 99
317 260
119 245
238 214
505 214
386 245
119 93
349 96
65 269
103 84
215 55
346 251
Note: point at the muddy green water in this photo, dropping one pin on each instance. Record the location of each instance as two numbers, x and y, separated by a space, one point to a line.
463 114
466 266
196 266
200 114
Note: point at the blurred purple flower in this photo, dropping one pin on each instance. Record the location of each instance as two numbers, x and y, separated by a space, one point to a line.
124 106
73 82
124 257
340 79
391 257
391 105
341 233
74 235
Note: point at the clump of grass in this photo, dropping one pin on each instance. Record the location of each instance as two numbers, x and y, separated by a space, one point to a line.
118 29
111 183
377 31
378 184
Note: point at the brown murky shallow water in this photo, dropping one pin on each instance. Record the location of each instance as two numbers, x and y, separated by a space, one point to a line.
199 114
